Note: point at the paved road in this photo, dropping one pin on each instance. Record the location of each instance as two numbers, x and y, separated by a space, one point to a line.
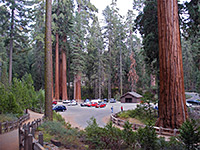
79 116
193 94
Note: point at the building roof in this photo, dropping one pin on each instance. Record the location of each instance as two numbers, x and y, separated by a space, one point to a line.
133 94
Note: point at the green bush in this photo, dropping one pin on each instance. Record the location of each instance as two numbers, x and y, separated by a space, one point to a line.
147 138
190 134
56 130
129 136
7 117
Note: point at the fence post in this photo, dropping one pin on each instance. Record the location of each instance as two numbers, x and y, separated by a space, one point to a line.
40 137
0 128
175 130
33 131
19 132
30 142
26 139
160 130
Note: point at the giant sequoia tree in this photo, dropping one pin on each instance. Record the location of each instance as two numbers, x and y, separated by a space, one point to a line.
172 107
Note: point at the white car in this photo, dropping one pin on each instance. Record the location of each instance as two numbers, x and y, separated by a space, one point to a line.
72 103
66 101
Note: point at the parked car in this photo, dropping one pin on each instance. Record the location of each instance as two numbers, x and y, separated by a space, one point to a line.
59 108
100 105
86 100
94 104
54 102
112 100
66 101
84 104
193 102
105 100
88 104
188 104
72 103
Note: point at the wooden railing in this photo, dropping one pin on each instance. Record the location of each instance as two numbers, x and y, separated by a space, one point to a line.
11 125
27 139
159 130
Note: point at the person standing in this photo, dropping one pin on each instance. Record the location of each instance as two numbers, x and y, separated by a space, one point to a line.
112 109
121 108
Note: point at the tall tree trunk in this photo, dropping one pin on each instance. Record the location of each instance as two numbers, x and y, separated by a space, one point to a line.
57 97
60 79
109 71
96 88
172 104
120 71
11 46
64 76
78 87
75 80
48 62
99 74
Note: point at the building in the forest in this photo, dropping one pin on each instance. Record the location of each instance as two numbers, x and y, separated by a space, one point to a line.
131 97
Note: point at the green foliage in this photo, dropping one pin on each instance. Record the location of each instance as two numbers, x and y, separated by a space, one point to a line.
7 117
190 134
57 117
141 113
56 130
128 135
20 96
147 138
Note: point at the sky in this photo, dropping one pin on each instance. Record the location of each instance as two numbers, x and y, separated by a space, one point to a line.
123 5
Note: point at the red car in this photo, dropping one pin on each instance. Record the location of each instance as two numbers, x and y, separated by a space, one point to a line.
88 104
101 105
54 102
94 104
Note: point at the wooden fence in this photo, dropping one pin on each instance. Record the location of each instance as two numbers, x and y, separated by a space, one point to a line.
27 139
159 130
11 125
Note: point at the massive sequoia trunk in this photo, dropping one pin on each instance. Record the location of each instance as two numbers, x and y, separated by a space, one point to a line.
172 104
48 62
57 96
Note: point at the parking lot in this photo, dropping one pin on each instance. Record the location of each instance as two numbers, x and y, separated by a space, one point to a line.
79 116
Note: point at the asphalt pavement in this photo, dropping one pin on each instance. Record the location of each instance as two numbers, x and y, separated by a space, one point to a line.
79 116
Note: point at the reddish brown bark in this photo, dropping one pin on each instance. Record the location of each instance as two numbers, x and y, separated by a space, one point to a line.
64 76
57 94
60 79
172 104
77 88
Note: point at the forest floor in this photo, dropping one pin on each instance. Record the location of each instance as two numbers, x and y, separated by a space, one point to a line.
10 141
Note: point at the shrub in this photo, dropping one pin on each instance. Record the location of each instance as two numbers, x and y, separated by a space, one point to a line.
190 134
147 138
129 136
7 117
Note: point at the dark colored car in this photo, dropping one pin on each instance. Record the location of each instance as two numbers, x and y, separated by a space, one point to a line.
112 100
54 102
193 102
59 108
105 100
100 105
